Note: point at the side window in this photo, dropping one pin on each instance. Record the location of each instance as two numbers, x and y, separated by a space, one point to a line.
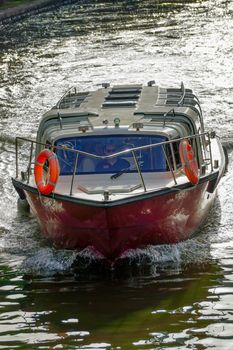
159 159
173 157
175 146
48 146
65 156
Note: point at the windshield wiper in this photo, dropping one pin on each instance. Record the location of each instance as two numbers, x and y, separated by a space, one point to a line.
119 173
116 175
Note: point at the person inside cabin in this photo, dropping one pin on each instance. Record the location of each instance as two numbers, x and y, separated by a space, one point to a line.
88 164
114 163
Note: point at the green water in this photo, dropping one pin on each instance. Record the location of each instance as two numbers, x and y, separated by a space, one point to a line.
11 4
108 310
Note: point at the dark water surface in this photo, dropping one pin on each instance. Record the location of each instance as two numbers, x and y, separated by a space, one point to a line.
170 297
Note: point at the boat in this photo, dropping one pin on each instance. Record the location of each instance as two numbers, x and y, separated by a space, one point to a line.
120 168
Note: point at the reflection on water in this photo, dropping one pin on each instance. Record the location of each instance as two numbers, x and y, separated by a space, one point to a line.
83 18
172 309
173 297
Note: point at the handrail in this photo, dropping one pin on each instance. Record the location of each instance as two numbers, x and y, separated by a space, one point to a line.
63 96
117 153
139 170
74 172
183 95
166 114
131 150
169 165
181 101
30 162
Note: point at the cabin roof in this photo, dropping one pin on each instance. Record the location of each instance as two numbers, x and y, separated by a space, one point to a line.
137 98
132 104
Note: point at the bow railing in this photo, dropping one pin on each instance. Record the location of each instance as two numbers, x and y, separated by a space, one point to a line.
170 161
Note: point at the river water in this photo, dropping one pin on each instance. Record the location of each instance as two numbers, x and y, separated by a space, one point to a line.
167 297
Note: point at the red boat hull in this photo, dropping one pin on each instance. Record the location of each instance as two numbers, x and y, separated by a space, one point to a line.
112 230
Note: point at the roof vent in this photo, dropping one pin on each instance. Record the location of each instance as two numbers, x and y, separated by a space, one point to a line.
122 96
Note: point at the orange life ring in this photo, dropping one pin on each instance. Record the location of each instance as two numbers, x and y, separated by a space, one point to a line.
189 162
46 187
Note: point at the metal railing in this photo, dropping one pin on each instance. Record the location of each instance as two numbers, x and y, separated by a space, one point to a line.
68 92
194 97
170 164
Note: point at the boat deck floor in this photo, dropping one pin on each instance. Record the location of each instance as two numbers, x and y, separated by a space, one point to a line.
94 186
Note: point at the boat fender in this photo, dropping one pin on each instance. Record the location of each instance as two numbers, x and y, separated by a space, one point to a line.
189 162
48 186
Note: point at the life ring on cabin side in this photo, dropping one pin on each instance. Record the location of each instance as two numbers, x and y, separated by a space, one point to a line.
46 187
189 162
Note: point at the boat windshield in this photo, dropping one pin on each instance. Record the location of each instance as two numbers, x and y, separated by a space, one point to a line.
149 159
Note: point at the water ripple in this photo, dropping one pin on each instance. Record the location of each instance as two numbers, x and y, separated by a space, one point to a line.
167 297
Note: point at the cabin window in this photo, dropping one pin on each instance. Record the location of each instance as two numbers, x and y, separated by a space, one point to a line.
175 146
151 159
